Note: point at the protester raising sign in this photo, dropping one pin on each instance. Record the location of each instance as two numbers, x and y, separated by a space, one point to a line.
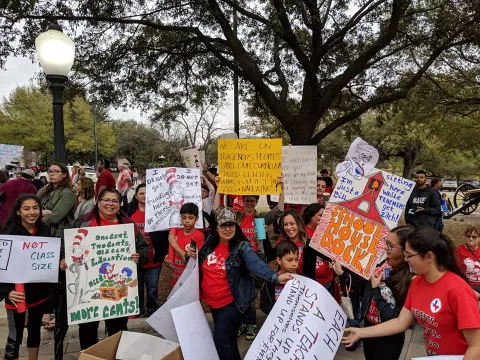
299 171
101 275
191 157
29 259
167 190
10 154
365 204
249 166
305 323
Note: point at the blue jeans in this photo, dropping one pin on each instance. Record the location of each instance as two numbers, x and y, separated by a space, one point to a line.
148 278
227 320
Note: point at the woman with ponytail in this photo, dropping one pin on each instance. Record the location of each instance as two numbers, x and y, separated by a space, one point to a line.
439 299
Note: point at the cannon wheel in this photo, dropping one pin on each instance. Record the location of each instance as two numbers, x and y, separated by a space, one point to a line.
461 196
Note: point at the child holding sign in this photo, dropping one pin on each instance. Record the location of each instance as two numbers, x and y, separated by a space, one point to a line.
25 220
287 260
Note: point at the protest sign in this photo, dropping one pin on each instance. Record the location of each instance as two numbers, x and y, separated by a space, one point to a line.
10 154
441 357
29 259
167 190
299 171
187 293
101 275
194 332
191 157
305 323
249 166
361 211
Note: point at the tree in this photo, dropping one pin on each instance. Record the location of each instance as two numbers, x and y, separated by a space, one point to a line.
27 119
334 60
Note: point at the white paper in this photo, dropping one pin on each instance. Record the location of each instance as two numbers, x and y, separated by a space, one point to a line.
305 323
101 275
191 157
299 171
10 154
360 160
192 263
194 332
167 190
441 357
29 259
137 346
162 320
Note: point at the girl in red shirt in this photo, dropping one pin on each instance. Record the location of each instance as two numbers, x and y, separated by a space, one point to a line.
439 299
468 257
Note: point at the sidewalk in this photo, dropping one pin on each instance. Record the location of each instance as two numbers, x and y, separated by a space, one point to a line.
414 343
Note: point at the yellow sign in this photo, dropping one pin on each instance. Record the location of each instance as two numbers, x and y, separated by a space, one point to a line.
249 166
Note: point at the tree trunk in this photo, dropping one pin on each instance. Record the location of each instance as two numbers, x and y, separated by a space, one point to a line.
410 158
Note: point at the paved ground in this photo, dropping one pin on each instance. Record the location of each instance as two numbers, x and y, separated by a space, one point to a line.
414 344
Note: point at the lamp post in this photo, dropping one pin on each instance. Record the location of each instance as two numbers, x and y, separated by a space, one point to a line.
56 52
323 157
161 159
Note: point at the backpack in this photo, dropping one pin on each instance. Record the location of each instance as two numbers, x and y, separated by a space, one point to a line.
259 283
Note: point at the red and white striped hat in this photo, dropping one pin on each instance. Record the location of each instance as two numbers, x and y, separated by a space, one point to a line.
80 236
170 176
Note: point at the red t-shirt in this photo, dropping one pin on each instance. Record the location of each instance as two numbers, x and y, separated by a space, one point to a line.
248 228
183 242
443 309
139 218
310 231
468 261
323 272
105 179
215 289
103 222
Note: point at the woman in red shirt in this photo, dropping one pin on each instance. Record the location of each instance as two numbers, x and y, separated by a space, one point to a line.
25 220
468 257
439 299
149 273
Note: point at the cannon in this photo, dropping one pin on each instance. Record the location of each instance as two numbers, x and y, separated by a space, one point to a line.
466 199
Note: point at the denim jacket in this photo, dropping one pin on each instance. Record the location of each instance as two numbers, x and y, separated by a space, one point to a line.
238 265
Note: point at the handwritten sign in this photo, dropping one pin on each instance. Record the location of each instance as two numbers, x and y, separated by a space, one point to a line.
10 154
191 157
186 293
305 323
249 166
167 190
299 171
101 275
358 217
29 259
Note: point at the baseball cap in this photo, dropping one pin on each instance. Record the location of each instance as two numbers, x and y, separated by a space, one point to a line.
30 173
225 215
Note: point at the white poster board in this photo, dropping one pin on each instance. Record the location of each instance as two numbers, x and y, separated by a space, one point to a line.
191 157
305 323
441 357
29 259
167 190
194 332
299 171
187 293
101 275
10 154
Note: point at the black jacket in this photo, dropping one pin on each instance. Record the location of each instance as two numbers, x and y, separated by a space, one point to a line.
428 200
34 292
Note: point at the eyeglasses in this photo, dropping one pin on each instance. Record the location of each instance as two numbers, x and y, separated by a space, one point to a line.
111 201
227 226
50 172
408 256
390 246
474 237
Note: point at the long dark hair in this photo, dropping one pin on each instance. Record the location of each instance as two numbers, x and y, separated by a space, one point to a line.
427 239
133 206
87 188
14 220
214 239
310 211
302 232
400 278
66 182
96 211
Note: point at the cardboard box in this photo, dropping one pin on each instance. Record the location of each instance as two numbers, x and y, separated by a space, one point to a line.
107 349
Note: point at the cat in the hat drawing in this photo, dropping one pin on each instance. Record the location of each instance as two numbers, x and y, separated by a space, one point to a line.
176 201
79 267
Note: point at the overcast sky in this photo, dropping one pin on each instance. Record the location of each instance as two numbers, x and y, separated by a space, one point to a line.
19 71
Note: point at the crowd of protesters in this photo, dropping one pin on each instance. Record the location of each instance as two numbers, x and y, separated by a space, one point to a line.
422 276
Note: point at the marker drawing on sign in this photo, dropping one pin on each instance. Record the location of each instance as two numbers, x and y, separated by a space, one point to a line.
5 251
360 161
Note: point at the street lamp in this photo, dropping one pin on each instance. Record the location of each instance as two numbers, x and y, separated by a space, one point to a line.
323 157
161 158
56 52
